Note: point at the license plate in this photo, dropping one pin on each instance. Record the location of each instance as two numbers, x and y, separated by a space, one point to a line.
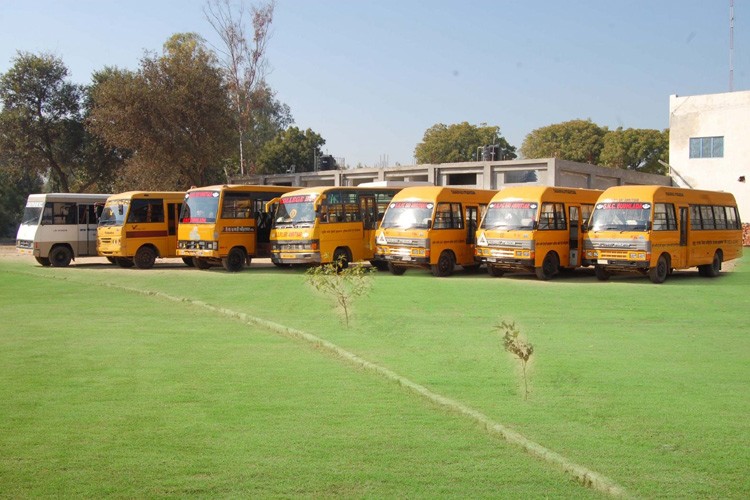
24 251
602 261
405 257
491 260
287 256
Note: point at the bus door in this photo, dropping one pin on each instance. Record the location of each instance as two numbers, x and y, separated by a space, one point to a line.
369 214
684 221
87 224
575 236
173 215
472 218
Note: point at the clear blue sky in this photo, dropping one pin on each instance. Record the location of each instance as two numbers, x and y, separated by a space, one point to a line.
371 76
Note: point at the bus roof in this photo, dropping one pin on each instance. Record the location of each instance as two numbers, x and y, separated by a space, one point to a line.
547 192
68 197
127 195
648 192
442 192
244 187
318 190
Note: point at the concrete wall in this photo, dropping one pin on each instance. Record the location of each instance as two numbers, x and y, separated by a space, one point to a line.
484 175
714 115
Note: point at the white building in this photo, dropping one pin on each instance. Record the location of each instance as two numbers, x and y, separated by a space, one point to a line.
709 144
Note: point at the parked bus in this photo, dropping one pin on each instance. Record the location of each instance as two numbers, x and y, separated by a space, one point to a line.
432 227
59 227
320 225
654 229
226 225
137 227
535 229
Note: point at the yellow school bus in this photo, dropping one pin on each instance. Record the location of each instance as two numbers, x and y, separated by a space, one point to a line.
136 227
226 225
536 229
432 227
320 225
655 229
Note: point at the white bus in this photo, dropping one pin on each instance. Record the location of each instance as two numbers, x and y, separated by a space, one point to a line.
58 227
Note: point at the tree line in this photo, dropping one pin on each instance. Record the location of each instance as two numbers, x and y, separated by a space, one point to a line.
192 115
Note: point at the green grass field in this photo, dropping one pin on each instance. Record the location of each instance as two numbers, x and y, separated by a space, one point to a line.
105 391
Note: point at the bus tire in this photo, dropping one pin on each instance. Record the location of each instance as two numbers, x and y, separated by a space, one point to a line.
235 260
380 265
60 256
188 261
124 262
43 261
601 273
495 271
713 269
199 263
659 272
145 257
341 258
395 269
445 264
550 267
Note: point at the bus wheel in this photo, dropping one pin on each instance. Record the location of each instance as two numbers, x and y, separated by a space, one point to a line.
713 269
60 256
234 261
341 258
380 265
43 261
550 267
444 266
124 262
144 258
396 270
658 273
201 263
601 273
188 261
495 271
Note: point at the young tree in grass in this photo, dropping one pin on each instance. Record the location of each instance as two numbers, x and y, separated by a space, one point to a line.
519 347
343 283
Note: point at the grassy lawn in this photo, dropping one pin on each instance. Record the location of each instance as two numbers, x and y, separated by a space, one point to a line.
109 392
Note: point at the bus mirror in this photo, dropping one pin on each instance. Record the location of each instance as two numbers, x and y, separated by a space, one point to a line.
429 224
120 209
585 226
270 204
534 226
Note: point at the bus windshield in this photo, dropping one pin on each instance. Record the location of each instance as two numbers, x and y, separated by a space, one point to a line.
510 215
294 211
31 215
408 215
114 213
621 216
200 207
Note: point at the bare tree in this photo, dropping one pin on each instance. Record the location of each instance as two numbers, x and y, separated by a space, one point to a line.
243 55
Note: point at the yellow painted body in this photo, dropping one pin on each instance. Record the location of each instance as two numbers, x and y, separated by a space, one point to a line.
527 224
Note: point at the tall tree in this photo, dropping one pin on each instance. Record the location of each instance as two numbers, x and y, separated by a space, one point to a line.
173 114
460 142
15 186
636 149
575 140
244 63
268 117
291 150
40 119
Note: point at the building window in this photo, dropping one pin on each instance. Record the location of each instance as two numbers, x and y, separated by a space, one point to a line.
707 147
520 176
